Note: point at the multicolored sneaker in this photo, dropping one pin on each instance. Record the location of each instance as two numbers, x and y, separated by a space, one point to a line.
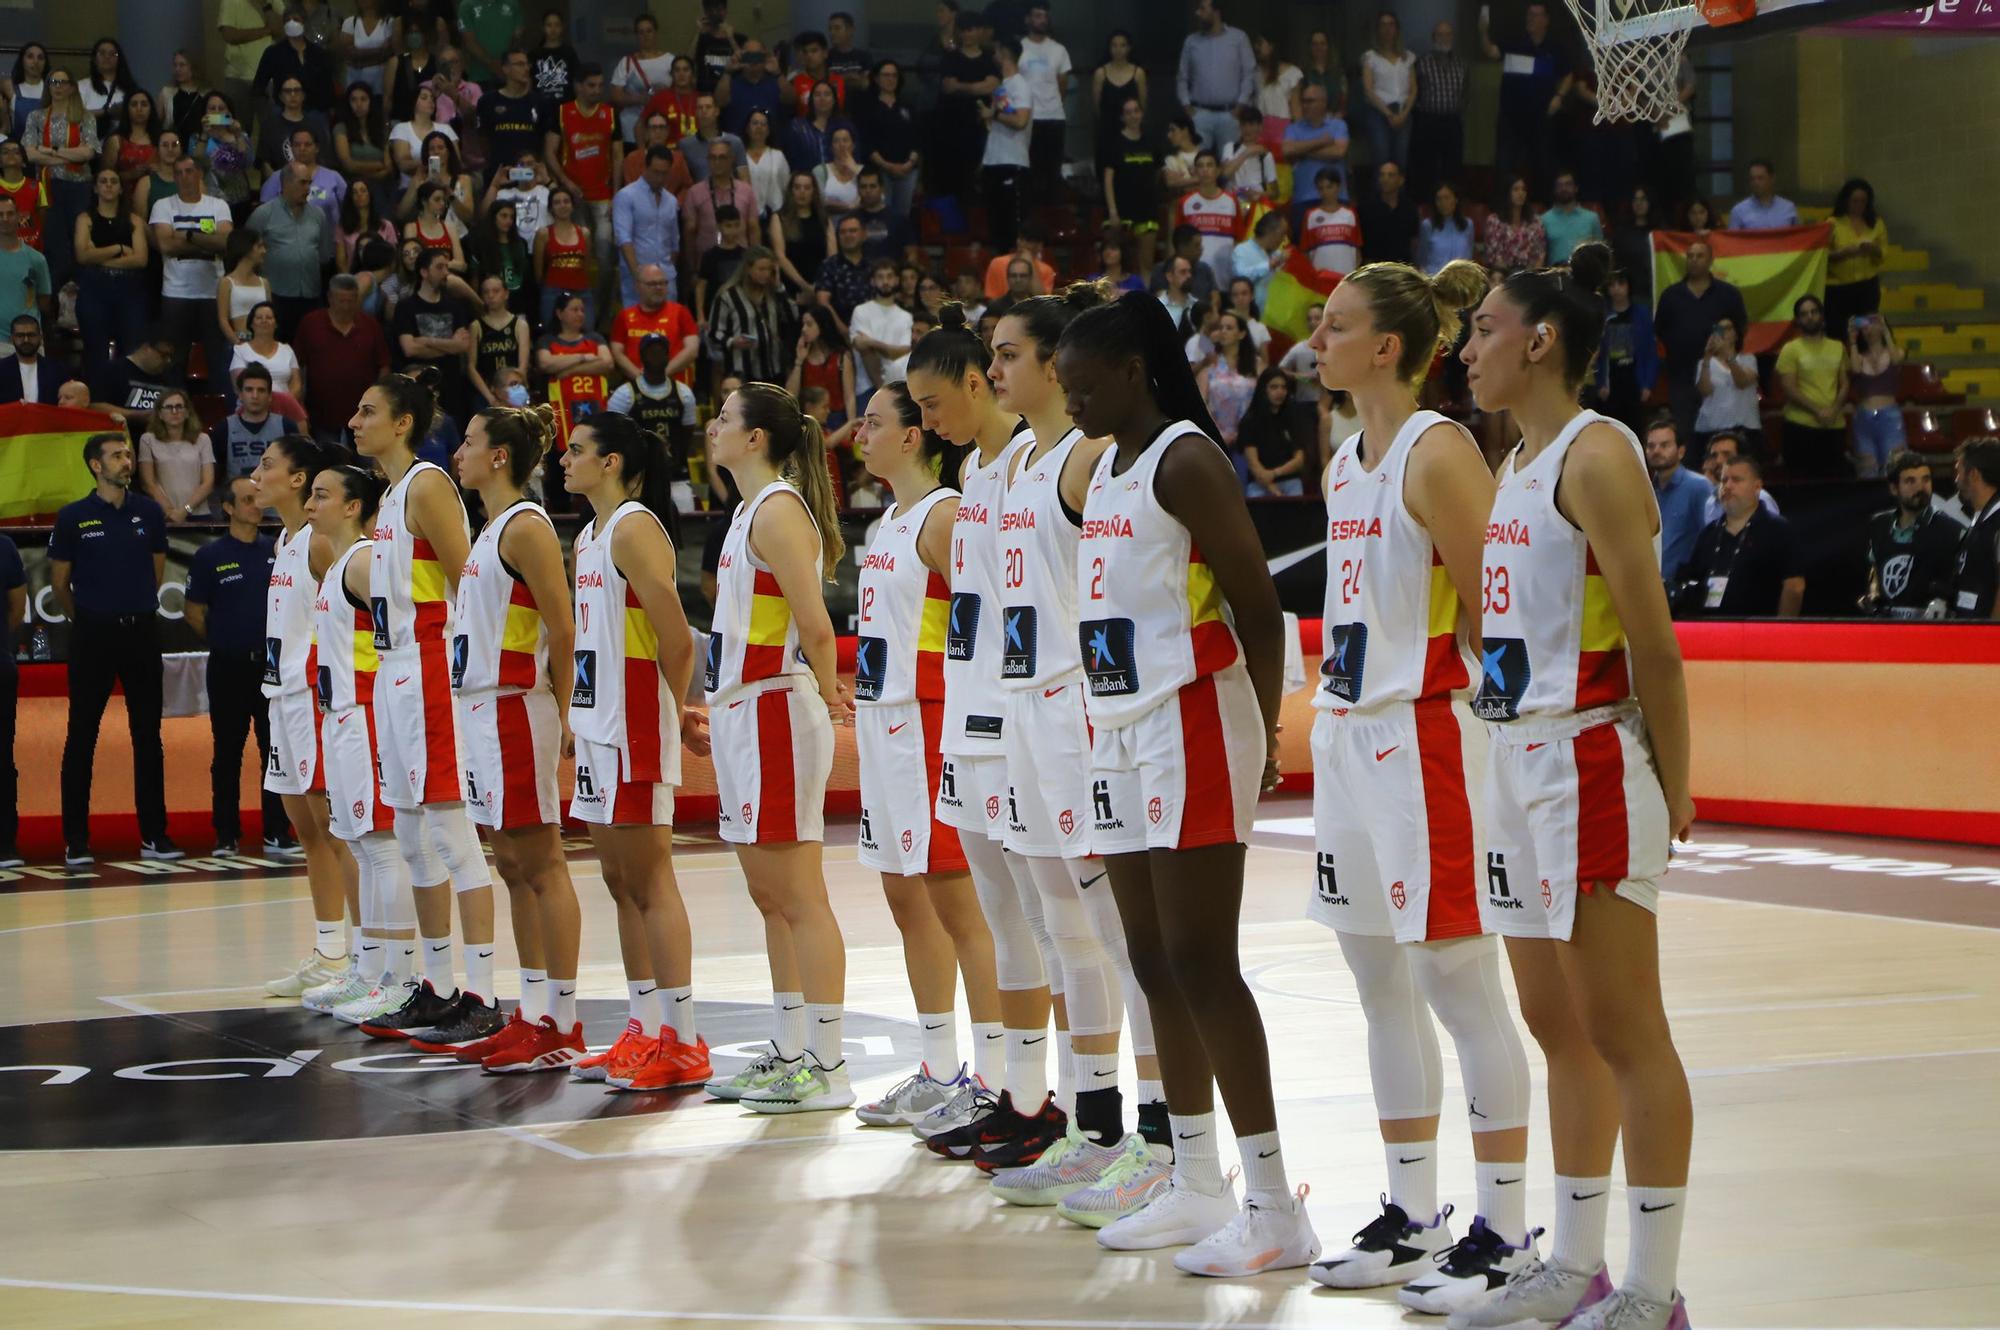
1540 1295
1471 1271
1626 1310
1259 1239
1073 1162
377 1000
474 1022
482 1047
1124 1187
911 1098
810 1088
986 1125
1027 1136
343 987
970 1102
598 1065
1177 1216
1391 1248
763 1072
423 1010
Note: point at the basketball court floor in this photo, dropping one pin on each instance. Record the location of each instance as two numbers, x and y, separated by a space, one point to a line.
1837 1001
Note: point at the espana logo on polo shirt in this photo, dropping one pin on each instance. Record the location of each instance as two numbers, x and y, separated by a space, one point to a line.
89 522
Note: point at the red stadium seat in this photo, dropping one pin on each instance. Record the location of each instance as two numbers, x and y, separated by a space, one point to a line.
1924 434
1969 422
1920 383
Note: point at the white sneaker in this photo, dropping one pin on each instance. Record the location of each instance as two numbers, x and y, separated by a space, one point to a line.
968 1103
913 1097
810 1088
311 972
343 987
1258 1239
1391 1249
1124 1188
380 998
1626 1310
1540 1295
1471 1271
1177 1216
1074 1161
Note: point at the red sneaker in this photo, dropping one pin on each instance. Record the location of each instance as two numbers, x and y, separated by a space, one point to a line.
675 1066
640 1050
598 1065
543 1048
514 1029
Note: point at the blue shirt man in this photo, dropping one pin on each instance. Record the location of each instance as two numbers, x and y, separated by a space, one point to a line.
1682 494
646 224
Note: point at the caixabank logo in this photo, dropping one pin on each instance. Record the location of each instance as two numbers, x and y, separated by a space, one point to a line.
255 1076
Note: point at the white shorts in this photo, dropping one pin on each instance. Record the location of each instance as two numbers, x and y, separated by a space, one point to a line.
900 832
972 795
773 752
1048 771
605 798
1573 800
416 726
1182 776
511 743
1396 821
295 766
353 796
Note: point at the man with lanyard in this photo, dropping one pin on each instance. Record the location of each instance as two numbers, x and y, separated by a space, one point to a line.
106 557
663 405
1974 585
227 595
1912 553
1746 562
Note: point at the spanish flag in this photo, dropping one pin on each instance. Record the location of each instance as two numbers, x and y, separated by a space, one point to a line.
1772 268
1297 290
41 456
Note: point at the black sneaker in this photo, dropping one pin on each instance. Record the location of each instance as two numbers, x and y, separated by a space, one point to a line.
228 849
1004 1123
78 856
475 1021
161 848
423 1010
1027 1137
11 857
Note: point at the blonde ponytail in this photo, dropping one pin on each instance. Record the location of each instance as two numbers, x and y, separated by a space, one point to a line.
807 469
1422 311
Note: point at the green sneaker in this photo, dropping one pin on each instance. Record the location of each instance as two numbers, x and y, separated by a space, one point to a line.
761 1074
1120 1190
806 1088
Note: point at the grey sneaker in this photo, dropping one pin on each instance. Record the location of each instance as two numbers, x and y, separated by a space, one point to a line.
916 1095
1540 1294
808 1088
761 1073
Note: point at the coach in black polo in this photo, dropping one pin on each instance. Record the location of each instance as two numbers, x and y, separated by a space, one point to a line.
106 557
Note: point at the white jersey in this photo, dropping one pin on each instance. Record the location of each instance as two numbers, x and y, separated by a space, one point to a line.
1333 239
406 587
501 644
288 616
905 605
1391 617
974 705
1552 643
1038 541
1153 620
344 659
1219 220
752 638
620 699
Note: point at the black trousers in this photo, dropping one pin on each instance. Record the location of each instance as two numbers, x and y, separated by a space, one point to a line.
290 309
103 652
192 321
1003 186
1437 153
10 804
236 706
1045 159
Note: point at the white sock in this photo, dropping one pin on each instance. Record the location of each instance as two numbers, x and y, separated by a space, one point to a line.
372 958
989 1051
939 1031
789 1011
354 939
1151 1092
1027 1076
823 1032
479 970
1095 1071
534 994
1196 1163
403 960
563 1003
1502 1200
1264 1171
328 939
1581 1206
1413 1178
639 1001
1065 1076
1653 1259
437 964
678 1004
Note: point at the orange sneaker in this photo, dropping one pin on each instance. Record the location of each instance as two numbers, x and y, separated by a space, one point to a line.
597 1066
544 1048
515 1028
676 1066
642 1049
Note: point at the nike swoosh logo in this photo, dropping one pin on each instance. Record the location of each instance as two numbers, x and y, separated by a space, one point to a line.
1591 1197
537 981
794 1007
1418 1160
1190 1135
1104 1073
478 705
565 992
996 1036
1381 753
1533 747
1645 1209
1088 883
894 729
1265 1154
738 703
656 988
1026 1042
445 947
1505 1182
938 1026
484 954
342 720
400 682
685 997
828 1020
1340 485
1051 692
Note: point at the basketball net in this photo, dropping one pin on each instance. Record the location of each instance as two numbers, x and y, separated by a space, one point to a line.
1636 46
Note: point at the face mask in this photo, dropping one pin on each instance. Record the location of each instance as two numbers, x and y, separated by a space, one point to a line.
517 394
295 29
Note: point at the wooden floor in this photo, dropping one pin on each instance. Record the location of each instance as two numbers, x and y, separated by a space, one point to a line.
1837 1002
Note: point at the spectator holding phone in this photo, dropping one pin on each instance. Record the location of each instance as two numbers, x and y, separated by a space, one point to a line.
1875 368
1727 382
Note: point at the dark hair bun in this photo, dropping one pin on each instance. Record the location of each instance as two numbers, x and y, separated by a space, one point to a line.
951 314
1080 296
1591 264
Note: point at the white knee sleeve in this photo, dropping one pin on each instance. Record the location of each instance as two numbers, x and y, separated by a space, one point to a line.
1461 982
1403 1062
1031 910
369 906
425 868
1088 985
383 862
1017 957
457 845
1100 909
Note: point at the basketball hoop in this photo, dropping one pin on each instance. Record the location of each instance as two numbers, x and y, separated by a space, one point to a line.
1636 46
